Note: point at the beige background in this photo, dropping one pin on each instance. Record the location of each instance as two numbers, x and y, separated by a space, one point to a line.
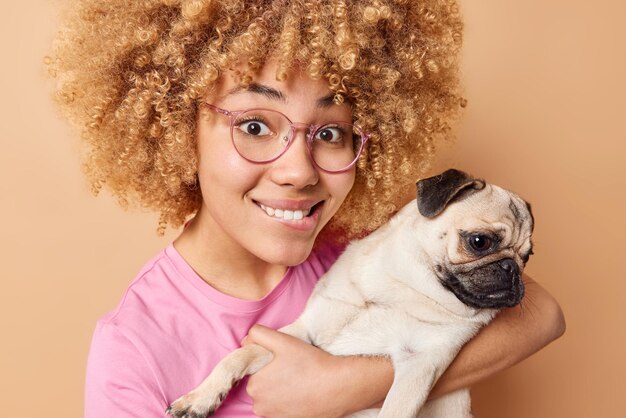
546 88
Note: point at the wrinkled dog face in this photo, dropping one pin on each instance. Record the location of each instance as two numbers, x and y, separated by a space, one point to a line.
486 232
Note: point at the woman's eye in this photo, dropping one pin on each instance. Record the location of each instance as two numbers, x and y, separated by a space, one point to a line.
480 242
254 127
329 134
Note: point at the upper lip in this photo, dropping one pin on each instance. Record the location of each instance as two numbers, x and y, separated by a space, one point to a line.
288 204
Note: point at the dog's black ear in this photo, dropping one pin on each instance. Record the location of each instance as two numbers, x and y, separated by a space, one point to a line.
435 193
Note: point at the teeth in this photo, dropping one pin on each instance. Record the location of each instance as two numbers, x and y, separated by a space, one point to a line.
286 214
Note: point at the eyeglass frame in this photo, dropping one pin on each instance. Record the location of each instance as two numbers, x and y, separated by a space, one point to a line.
311 130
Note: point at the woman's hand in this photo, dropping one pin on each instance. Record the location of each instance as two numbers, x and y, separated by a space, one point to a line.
304 381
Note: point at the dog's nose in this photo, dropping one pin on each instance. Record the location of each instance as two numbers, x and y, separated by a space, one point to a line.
509 266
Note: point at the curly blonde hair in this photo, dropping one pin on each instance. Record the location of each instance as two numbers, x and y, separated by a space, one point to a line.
131 72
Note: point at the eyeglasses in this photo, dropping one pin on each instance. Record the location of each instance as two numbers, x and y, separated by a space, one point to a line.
263 135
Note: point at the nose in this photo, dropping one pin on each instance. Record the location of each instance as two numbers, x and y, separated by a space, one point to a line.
509 266
295 167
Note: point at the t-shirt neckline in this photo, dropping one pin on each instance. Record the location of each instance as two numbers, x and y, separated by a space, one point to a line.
222 299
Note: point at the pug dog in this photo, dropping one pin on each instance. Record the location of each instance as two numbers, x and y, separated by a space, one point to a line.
415 290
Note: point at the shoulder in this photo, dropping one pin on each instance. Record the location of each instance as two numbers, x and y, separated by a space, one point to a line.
141 309
134 346
143 295
156 307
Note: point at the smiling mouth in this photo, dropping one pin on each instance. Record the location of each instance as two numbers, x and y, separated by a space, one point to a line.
289 215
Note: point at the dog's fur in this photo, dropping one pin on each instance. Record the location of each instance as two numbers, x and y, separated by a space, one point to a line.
416 290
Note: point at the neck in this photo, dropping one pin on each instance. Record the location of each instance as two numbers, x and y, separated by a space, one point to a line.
223 263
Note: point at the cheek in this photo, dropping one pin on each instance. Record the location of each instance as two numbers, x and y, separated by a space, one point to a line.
215 150
222 170
339 185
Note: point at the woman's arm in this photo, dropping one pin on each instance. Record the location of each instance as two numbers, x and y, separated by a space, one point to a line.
306 382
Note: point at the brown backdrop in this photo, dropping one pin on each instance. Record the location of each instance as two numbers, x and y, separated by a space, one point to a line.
546 88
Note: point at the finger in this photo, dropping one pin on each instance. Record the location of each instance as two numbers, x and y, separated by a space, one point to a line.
269 338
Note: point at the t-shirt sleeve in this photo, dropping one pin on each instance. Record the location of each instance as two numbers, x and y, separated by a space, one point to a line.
119 381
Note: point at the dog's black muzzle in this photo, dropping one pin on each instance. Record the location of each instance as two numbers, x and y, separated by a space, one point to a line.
494 286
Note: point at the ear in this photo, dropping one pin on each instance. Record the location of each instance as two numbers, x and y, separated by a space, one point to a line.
435 193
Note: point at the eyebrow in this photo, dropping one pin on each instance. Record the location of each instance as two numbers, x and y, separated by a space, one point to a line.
269 92
274 94
326 101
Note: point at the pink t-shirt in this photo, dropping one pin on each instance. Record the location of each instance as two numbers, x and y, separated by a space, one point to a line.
171 328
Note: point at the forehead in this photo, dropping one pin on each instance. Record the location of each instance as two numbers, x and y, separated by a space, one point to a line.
493 208
298 87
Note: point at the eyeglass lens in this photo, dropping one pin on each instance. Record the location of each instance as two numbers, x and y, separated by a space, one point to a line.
262 135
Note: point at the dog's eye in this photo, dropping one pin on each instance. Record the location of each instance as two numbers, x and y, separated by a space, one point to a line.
480 242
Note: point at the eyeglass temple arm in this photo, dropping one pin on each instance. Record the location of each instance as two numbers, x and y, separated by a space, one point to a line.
217 109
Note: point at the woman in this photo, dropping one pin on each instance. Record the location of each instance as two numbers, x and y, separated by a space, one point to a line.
276 130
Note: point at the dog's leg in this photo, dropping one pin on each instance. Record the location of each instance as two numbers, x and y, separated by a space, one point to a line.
414 377
208 396
456 404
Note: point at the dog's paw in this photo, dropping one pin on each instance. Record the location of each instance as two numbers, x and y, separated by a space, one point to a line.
194 405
